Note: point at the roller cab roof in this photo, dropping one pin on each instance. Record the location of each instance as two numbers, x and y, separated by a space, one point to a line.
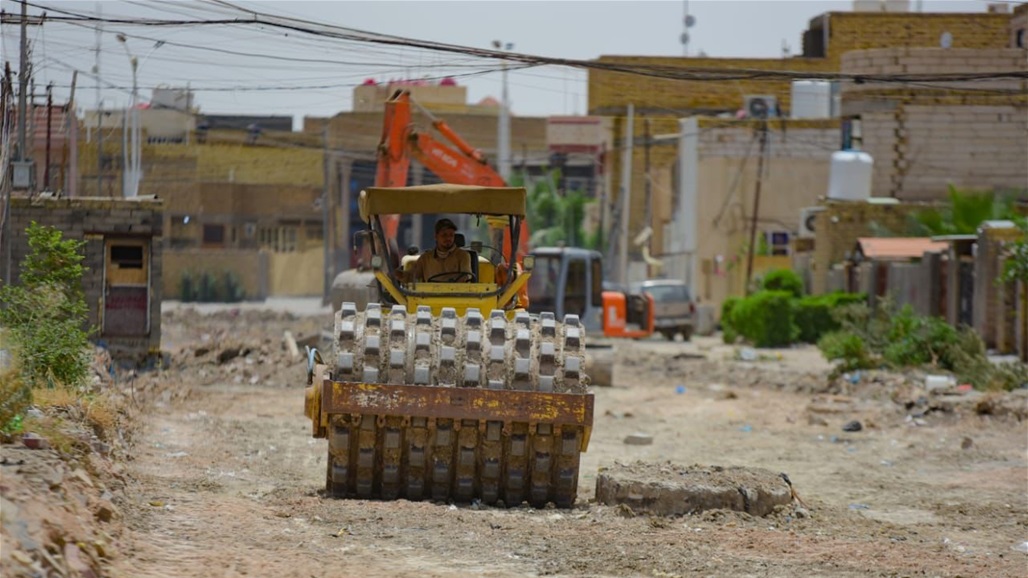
442 198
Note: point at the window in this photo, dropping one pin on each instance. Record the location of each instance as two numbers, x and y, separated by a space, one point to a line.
542 285
278 239
127 256
777 242
597 282
575 291
214 235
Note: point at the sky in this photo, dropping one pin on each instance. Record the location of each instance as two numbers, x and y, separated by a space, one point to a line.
280 72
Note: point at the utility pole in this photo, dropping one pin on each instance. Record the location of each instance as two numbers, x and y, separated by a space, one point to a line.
503 129
756 204
49 128
6 187
625 196
327 260
69 169
99 105
23 81
688 185
646 171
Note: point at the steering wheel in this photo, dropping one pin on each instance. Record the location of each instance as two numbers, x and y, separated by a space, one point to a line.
454 277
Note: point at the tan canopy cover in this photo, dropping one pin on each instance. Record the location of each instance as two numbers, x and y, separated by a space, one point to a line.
442 198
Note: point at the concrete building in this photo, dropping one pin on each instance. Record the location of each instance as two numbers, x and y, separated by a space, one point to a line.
123 260
862 42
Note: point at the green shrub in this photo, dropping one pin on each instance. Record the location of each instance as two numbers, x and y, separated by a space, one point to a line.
728 331
765 319
234 291
914 340
783 280
46 313
207 288
815 314
849 349
900 339
187 288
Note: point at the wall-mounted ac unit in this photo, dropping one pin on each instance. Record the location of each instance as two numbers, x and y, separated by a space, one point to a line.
807 215
760 106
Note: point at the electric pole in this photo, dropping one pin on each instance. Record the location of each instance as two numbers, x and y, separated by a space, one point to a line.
756 204
503 129
625 195
23 81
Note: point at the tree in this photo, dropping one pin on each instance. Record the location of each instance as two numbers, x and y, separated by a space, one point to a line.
1016 266
555 217
966 211
46 313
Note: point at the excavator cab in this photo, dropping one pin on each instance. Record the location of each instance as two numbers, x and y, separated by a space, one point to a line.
451 391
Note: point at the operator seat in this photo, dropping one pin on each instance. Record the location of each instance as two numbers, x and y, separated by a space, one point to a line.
458 239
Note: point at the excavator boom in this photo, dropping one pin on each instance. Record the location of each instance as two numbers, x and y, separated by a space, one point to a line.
461 164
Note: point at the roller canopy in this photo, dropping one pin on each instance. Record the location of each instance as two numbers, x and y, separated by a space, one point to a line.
442 198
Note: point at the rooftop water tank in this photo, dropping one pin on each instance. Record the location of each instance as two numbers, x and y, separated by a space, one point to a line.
811 99
849 178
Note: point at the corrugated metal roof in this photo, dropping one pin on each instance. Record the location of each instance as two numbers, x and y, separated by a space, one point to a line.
898 247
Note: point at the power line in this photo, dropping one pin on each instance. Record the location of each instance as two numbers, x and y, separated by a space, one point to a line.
651 70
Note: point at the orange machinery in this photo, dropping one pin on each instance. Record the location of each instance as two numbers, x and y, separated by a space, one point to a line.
464 164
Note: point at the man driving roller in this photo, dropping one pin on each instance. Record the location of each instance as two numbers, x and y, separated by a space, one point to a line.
446 263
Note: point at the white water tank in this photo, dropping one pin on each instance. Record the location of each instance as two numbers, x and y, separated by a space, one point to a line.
849 178
811 99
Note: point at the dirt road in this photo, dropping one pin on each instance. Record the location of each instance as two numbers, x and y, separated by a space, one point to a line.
228 483
227 480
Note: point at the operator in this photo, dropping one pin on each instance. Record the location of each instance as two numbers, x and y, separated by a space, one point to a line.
446 263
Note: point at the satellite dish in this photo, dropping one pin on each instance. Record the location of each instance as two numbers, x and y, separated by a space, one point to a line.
684 38
690 21
946 40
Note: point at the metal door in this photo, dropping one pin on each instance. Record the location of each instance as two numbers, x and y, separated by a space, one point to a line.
126 302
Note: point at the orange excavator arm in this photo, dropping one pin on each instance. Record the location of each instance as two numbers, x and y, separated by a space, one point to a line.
401 140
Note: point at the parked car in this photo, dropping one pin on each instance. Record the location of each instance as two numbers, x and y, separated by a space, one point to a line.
674 310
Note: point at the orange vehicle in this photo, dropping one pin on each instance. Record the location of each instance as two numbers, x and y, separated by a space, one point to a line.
614 313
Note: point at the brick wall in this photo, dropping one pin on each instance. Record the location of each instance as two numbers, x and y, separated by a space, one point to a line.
920 150
924 139
611 92
838 227
866 30
94 220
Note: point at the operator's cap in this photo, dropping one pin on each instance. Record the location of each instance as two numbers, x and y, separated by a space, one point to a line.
444 224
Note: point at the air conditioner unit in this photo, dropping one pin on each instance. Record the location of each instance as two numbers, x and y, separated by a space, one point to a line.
807 215
760 106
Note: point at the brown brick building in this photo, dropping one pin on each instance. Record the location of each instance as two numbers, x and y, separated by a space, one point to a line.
123 260
922 138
